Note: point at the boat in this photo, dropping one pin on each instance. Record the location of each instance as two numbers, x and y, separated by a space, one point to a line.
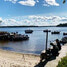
55 32
64 33
46 30
28 31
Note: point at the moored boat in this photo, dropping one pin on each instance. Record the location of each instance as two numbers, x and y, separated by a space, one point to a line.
28 31
55 32
64 33
46 30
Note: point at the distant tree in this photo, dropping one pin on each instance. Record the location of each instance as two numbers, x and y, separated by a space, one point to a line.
62 25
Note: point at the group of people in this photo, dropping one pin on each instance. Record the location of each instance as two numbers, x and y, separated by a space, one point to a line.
51 52
56 47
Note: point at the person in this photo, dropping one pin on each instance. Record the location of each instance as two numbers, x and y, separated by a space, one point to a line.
58 44
45 55
55 49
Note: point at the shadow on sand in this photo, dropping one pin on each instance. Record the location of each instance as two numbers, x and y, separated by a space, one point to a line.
42 64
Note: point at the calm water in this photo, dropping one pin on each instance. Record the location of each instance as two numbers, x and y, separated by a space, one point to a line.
36 42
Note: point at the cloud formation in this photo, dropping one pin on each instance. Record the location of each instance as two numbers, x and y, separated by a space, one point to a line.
50 2
27 2
33 20
33 2
13 1
24 2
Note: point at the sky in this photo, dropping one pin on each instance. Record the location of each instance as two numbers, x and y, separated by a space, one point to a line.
32 12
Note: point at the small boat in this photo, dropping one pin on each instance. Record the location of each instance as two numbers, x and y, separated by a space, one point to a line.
28 31
46 30
64 33
55 32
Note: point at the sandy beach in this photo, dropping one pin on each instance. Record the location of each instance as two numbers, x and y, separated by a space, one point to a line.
13 59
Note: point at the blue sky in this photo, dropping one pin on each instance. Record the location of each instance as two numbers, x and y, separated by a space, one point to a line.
19 12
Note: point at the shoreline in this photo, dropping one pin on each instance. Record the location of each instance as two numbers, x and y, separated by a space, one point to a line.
14 59
23 26
20 52
27 26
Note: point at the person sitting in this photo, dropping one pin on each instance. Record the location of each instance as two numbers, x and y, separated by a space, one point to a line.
58 44
55 49
45 54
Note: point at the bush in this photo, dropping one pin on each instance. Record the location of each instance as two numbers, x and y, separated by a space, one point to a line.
63 62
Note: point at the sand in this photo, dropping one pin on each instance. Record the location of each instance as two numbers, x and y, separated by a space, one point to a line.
13 59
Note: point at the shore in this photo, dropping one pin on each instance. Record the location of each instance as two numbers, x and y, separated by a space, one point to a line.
13 59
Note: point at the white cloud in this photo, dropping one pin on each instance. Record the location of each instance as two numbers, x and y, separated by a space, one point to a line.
45 5
24 2
13 1
9 22
12 20
33 2
28 2
33 20
50 2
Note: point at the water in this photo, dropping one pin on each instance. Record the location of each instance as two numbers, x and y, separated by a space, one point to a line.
36 42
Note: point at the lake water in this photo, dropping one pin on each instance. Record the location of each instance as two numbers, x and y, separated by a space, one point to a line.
36 42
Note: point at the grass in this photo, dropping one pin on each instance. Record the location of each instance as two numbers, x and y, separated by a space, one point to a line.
63 62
